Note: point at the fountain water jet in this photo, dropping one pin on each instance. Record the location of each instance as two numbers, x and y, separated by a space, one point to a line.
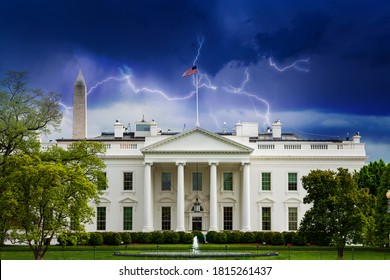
195 246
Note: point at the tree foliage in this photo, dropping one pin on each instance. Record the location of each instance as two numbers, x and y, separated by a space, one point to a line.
340 213
52 191
24 114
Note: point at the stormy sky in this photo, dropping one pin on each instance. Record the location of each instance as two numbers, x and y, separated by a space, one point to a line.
321 67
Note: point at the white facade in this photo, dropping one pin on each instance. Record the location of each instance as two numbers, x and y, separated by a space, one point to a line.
245 180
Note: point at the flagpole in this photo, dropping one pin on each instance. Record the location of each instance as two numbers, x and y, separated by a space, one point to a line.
197 98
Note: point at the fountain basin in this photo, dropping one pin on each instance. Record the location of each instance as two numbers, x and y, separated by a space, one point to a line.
196 255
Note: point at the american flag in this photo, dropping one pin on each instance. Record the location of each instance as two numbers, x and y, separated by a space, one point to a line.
192 70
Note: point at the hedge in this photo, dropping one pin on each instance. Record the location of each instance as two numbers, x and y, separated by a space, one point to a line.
172 237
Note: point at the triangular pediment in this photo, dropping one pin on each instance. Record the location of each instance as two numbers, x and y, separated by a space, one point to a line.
197 141
127 200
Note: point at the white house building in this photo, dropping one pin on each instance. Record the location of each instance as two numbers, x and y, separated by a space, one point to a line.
200 180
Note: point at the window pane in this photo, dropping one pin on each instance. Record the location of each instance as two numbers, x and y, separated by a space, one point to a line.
228 181
197 181
292 182
166 181
128 181
166 218
127 218
266 181
227 218
102 183
266 218
101 218
292 218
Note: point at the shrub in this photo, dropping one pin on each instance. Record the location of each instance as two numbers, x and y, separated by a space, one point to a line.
67 239
234 236
83 238
220 237
171 237
288 237
114 238
277 239
72 240
126 237
259 236
145 237
299 239
199 234
95 238
62 239
187 238
135 237
267 237
158 237
248 237
106 236
210 236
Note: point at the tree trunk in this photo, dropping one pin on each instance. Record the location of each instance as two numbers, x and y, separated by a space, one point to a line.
340 252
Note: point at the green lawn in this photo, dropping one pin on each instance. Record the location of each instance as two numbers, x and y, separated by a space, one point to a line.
106 252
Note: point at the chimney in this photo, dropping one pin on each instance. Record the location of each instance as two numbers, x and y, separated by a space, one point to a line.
277 129
356 138
238 128
118 129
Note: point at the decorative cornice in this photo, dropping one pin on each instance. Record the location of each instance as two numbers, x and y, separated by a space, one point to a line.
354 158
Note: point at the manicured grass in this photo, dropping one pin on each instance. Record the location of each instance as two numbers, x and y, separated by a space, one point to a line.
106 252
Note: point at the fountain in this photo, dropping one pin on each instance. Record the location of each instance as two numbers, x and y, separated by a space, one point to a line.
195 246
195 252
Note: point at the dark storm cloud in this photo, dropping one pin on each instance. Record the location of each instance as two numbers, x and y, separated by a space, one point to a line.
305 37
348 43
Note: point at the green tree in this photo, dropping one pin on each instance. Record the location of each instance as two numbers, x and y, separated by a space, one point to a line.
376 177
382 217
370 176
24 114
340 212
52 192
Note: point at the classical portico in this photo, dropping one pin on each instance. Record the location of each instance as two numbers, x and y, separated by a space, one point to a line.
185 158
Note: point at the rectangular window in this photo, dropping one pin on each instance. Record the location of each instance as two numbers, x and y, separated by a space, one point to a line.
292 218
228 181
101 218
292 181
142 127
227 218
196 181
127 218
266 218
266 181
102 182
128 181
166 218
166 181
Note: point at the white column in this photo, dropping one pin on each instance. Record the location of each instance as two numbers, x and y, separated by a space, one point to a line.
148 215
245 203
213 197
180 196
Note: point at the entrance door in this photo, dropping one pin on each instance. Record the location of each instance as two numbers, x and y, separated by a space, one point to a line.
197 223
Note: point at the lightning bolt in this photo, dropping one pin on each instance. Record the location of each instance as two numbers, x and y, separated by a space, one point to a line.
252 98
200 45
301 65
203 80
67 108
137 90
98 84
